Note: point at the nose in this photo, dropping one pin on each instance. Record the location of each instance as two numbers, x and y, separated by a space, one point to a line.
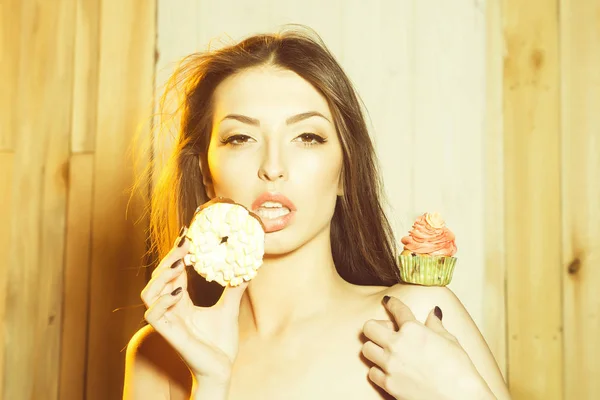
272 167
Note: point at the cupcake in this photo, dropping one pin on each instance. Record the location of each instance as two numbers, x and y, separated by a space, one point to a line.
428 255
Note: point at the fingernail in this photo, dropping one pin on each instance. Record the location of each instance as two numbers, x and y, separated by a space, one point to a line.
176 291
176 264
438 312
386 299
181 241
182 232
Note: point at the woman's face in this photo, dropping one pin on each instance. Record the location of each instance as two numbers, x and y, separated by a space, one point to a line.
274 149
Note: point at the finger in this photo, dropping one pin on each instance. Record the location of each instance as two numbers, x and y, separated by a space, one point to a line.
162 283
386 324
375 354
172 262
379 334
157 310
378 377
183 232
180 248
434 322
399 310
232 297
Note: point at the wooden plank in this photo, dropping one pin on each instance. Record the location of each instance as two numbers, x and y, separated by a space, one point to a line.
10 49
448 111
494 299
76 278
178 30
356 46
532 195
225 22
6 216
85 88
126 74
580 62
34 289
328 21
393 104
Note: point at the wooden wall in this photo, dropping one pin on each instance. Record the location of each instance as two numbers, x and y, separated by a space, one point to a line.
543 131
579 44
500 95
77 84
532 198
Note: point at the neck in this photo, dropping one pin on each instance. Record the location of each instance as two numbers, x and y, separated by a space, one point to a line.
291 287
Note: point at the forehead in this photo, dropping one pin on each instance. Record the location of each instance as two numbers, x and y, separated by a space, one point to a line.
267 93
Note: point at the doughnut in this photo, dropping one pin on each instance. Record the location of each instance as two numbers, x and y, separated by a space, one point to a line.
227 242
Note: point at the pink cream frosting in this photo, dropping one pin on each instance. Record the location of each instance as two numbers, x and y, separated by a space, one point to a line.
429 235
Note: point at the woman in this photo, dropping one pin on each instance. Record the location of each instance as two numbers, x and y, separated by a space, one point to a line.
274 118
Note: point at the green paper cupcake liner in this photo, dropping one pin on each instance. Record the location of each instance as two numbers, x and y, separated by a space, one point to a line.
427 270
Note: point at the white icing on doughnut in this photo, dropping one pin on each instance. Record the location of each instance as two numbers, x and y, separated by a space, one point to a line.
231 261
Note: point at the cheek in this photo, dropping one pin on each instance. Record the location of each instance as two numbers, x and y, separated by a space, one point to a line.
320 171
231 173
315 180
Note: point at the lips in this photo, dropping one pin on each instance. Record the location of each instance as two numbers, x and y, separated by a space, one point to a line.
274 218
273 197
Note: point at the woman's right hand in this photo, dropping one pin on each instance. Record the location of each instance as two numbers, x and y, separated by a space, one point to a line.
205 338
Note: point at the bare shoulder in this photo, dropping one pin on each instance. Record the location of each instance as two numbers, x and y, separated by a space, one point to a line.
457 320
422 299
153 369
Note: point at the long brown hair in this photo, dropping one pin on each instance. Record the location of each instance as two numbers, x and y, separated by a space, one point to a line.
361 236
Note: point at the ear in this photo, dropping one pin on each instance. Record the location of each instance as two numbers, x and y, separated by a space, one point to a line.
206 178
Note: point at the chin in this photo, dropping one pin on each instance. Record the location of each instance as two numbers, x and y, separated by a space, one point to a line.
280 243
289 240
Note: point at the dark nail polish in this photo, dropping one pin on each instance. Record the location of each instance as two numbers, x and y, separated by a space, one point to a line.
176 291
183 228
181 241
438 312
386 299
176 264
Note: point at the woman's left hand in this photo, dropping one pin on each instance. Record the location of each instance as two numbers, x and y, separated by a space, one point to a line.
420 361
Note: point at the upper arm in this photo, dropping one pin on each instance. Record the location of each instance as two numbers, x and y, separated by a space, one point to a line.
459 323
153 369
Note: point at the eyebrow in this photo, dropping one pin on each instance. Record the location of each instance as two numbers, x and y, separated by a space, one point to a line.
291 120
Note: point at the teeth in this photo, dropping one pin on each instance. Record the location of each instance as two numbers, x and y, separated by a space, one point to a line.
271 204
272 213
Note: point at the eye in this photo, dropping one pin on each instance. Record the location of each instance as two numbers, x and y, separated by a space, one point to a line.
311 139
236 140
